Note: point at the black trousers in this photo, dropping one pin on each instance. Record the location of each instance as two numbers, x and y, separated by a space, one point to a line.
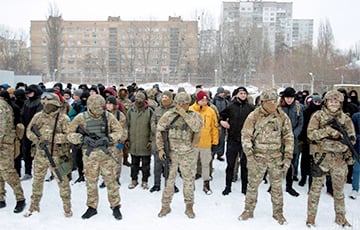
145 167
234 148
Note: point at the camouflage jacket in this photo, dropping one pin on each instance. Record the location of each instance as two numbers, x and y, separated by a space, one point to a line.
267 135
181 133
45 124
7 129
317 131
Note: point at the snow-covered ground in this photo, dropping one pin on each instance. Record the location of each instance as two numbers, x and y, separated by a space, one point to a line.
140 208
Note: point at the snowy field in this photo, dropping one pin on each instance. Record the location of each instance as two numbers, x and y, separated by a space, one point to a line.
140 208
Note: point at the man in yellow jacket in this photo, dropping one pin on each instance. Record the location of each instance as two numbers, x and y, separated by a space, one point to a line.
209 135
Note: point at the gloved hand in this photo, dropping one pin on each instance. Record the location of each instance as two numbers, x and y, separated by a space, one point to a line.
127 144
44 139
333 133
148 145
102 141
162 155
285 165
89 141
180 110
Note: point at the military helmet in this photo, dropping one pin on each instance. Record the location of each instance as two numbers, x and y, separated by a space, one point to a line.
269 94
335 95
95 105
50 98
182 97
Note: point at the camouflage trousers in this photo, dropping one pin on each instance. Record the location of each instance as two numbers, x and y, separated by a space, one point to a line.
118 154
98 162
256 171
186 163
41 165
338 171
8 173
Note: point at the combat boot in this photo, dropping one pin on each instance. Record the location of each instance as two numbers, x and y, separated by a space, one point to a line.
165 209
32 209
341 220
68 213
280 219
246 214
206 187
189 210
2 204
310 222
117 213
226 191
133 184
89 213
20 205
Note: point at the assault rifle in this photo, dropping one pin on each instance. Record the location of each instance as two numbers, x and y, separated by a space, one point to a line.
43 146
335 124
92 140
165 136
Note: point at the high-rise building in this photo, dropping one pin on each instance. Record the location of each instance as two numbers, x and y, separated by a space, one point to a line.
274 19
115 50
302 32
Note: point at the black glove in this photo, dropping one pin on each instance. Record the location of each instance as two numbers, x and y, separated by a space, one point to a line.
102 141
89 141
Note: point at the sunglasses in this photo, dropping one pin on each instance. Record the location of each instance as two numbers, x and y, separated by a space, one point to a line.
48 96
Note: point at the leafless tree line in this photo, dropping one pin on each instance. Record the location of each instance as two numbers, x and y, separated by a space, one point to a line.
242 57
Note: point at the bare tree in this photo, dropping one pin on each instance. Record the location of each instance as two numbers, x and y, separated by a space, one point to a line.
54 31
14 54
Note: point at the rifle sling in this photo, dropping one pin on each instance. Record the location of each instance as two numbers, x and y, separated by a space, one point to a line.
53 135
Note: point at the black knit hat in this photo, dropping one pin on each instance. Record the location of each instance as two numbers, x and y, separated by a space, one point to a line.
239 89
111 100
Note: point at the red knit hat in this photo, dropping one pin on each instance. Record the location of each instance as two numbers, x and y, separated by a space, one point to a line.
201 95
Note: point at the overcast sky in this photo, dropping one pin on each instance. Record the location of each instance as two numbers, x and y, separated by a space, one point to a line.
17 14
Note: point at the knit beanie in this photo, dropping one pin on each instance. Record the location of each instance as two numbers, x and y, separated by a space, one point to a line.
201 95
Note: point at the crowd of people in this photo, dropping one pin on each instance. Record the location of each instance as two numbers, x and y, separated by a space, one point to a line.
97 130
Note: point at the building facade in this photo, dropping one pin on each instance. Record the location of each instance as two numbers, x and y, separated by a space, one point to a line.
303 31
117 51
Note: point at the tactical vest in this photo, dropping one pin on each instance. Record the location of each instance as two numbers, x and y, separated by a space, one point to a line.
96 126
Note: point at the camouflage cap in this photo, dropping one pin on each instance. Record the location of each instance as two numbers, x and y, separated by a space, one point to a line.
335 95
182 97
269 94
50 98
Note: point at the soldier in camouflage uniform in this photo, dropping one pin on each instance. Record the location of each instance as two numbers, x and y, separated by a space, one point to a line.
268 143
53 127
182 155
330 155
117 149
126 102
98 157
7 171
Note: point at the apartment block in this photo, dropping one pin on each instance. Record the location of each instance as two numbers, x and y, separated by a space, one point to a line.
302 33
118 51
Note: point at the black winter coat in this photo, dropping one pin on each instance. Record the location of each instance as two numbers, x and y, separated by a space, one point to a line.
236 113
